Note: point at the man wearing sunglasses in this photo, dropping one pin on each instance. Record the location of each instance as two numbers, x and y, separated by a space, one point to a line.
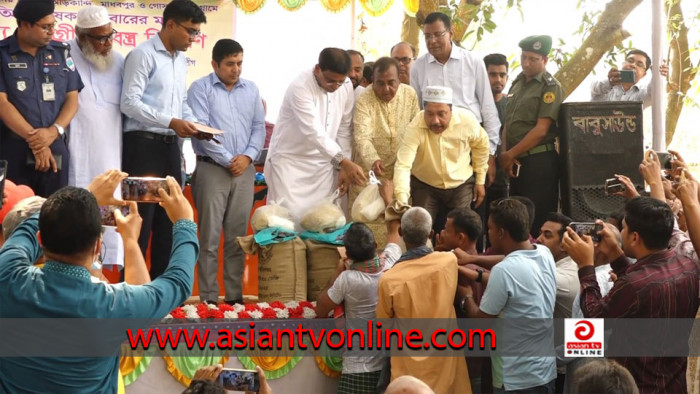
617 87
39 88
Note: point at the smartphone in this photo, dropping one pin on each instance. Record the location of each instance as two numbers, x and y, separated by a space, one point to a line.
587 228
516 170
626 76
614 185
3 175
143 189
107 214
239 380
665 160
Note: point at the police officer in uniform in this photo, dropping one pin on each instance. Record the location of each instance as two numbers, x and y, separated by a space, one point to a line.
531 130
38 98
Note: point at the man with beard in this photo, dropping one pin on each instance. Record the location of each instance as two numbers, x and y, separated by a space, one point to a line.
357 67
154 100
38 98
96 129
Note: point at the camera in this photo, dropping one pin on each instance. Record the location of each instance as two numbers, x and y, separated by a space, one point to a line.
143 189
587 228
614 185
239 380
627 76
665 159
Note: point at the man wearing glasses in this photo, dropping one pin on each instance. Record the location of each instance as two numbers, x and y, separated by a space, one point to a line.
38 98
309 154
405 54
154 100
448 65
615 88
96 129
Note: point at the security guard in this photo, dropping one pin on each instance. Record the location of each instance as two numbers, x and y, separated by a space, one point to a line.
530 157
38 98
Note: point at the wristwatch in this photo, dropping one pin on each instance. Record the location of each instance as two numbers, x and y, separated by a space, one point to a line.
463 303
60 129
480 274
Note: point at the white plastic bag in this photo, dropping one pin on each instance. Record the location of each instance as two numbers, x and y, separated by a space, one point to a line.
272 215
369 204
325 217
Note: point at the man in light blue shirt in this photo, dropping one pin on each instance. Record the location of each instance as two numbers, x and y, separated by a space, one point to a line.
521 290
70 235
223 182
154 100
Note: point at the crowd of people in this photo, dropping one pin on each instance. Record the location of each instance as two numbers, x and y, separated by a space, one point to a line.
456 156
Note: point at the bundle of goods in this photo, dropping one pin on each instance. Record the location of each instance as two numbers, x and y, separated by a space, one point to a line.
325 227
281 255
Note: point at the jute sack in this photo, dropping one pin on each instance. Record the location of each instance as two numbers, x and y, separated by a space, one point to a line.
281 269
321 261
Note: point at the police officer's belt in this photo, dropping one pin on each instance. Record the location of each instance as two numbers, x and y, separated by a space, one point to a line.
538 149
168 139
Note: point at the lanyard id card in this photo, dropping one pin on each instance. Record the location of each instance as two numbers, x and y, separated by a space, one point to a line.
47 91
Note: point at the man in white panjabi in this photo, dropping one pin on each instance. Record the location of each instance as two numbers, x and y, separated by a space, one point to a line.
95 139
309 154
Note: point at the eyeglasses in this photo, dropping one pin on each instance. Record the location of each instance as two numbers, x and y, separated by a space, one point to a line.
429 36
48 27
638 63
103 39
405 60
331 83
192 32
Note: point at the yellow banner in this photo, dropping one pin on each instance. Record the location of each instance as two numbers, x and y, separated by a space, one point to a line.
136 22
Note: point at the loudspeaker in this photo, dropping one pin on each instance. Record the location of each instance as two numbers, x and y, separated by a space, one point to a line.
598 140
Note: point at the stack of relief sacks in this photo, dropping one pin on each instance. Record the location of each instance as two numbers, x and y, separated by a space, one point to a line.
281 255
325 227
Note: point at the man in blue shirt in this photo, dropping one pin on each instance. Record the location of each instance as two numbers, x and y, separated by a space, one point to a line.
522 291
70 235
38 98
223 182
154 100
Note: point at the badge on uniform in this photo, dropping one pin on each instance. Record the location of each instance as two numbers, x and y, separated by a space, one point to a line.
70 63
48 92
21 86
548 97
16 65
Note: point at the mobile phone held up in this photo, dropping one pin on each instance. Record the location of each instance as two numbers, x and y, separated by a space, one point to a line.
665 159
239 380
587 228
614 185
143 189
627 76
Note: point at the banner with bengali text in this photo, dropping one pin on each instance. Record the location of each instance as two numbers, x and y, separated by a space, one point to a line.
137 21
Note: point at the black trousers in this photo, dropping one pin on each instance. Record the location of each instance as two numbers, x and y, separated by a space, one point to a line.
148 157
538 181
15 150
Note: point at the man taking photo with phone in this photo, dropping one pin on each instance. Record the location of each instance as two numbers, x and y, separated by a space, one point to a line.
629 82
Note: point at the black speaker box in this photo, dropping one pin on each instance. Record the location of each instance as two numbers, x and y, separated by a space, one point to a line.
598 140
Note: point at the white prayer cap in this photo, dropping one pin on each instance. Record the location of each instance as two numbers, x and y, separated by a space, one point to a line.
437 94
92 16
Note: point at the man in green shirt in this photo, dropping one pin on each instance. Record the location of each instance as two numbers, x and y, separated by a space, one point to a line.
531 130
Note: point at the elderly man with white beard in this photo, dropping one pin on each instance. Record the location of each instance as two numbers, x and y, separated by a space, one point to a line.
95 140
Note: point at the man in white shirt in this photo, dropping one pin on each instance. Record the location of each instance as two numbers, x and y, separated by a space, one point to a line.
613 88
310 149
96 129
446 64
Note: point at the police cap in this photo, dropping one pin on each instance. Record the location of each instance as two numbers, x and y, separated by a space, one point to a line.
537 44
